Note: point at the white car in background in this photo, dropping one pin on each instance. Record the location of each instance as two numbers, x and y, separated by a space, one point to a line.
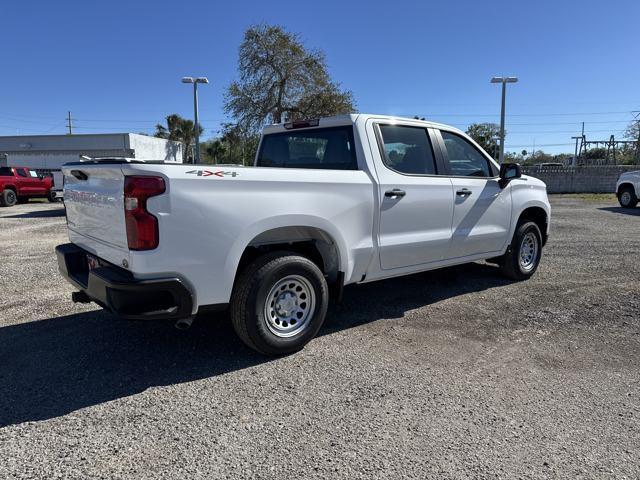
628 189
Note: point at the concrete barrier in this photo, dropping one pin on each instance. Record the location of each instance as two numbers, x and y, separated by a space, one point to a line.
586 179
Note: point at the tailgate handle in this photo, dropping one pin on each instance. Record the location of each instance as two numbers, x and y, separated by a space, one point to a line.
79 174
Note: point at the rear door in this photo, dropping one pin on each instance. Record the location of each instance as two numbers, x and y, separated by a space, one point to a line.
94 201
416 201
482 210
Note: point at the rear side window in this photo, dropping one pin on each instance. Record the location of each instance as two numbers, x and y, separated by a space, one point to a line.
322 148
5 172
408 150
464 159
21 172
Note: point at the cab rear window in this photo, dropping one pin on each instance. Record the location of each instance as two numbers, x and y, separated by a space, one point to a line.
5 172
321 148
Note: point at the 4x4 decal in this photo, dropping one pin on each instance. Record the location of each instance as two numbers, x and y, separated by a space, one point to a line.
208 173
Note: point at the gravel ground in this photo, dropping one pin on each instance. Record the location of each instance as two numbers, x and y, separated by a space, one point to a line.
449 374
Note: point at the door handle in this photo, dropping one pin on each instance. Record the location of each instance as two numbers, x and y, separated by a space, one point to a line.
396 192
465 192
79 174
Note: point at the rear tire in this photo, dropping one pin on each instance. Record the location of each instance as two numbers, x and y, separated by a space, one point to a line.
279 303
523 256
627 197
8 198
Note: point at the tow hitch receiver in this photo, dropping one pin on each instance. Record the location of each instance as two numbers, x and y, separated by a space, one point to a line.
80 297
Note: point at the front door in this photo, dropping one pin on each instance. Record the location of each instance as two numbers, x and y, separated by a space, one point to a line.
36 183
416 202
482 211
26 185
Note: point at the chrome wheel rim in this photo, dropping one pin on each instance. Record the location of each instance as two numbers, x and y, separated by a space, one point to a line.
11 197
289 306
528 252
625 198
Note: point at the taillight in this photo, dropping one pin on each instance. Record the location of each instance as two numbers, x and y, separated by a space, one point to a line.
142 227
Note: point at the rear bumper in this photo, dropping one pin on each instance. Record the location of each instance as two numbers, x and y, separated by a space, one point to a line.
118 291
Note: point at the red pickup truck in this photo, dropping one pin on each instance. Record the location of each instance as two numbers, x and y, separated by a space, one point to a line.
19 184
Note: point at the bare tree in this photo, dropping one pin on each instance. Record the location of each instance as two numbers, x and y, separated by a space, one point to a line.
278 76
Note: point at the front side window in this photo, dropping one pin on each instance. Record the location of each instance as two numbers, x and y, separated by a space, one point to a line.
322 148
464 159
408 149
33 174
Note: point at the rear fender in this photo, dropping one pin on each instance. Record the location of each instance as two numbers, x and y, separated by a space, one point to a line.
291 223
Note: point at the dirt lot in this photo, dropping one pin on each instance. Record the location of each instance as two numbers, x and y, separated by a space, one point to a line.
449 374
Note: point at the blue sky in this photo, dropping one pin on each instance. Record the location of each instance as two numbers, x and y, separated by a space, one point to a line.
117 65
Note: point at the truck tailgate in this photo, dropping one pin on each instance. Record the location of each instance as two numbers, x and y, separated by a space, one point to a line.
94 200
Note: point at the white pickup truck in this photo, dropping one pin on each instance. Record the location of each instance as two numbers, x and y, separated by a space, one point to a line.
628 189
329 202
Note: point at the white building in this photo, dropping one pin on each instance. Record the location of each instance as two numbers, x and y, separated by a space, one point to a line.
50 152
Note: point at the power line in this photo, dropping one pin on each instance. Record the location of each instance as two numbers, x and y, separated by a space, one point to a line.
534 132
8 117
540 145
492 115
559 123
537 114
143 121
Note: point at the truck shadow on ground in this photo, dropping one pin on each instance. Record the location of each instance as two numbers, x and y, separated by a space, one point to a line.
52 367
634 212
58 212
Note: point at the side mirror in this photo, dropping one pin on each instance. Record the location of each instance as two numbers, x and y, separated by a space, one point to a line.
509 171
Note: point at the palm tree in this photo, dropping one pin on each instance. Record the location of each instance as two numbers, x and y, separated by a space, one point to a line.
216 150
181 130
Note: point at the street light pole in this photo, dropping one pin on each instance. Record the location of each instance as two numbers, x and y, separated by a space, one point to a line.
503 81
196 81
196 156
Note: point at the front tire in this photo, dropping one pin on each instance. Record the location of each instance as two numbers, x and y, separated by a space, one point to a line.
523 256
52 196
279 303
8 198
627 197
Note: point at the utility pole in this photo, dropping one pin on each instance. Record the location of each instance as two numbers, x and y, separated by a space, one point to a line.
503 81
533 150
638 141
69 124
575 155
